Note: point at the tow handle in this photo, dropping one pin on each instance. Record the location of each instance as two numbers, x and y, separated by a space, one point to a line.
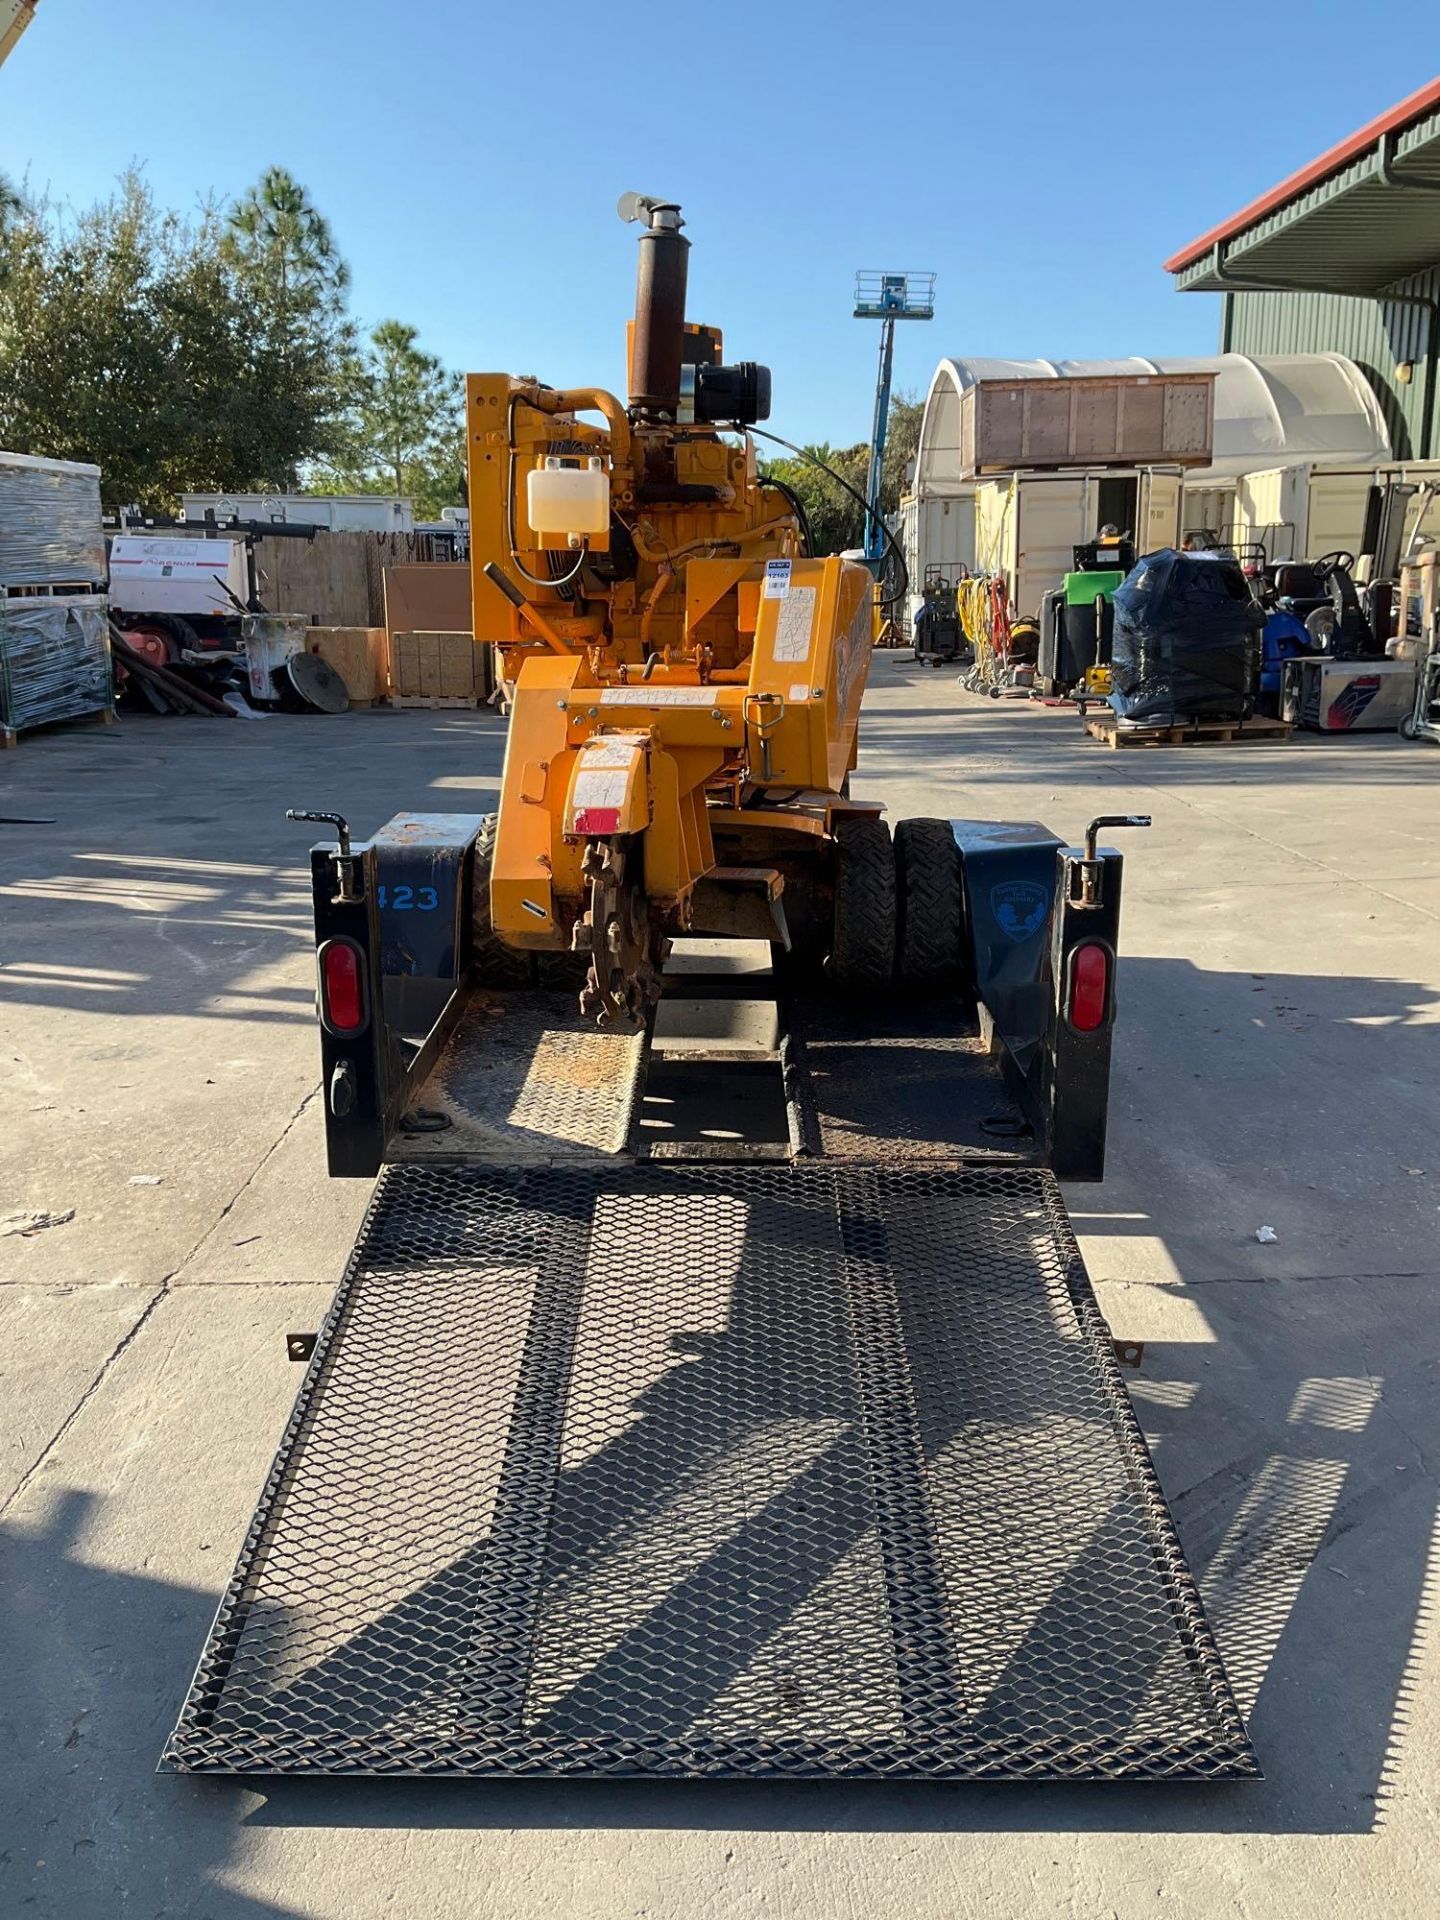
1087 876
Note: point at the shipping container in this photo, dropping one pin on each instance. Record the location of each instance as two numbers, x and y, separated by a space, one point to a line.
937 533
1129 420
1027 525
1301 512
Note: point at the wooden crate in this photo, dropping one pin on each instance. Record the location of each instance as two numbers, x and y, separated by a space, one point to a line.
359 655
1200 733
438 670
1130 420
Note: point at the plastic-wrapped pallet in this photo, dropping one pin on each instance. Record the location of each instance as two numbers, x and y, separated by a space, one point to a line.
50 530
1185 645
54 660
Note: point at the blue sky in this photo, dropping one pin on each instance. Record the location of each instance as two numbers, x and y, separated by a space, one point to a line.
1041 159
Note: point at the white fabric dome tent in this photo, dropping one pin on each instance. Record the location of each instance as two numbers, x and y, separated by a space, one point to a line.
1282 410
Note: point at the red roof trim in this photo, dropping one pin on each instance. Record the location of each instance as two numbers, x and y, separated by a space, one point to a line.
1415 108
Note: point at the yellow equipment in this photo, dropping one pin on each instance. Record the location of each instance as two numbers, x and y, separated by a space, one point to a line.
15 16
684 680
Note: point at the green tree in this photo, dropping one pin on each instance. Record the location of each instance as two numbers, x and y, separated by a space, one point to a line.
277 235
407 427
902 443
146 343
283 253
12 206
12 209
837 519
82 339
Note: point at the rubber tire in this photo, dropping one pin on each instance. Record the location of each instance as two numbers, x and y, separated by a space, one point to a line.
1408 729
494 964
930 912
862 951
177 632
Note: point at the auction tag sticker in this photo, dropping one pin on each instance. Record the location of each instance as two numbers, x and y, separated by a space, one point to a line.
777 579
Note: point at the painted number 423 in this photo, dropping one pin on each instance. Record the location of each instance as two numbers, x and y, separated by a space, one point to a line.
407 899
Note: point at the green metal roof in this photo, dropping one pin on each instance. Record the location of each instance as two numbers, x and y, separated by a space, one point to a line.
1362 228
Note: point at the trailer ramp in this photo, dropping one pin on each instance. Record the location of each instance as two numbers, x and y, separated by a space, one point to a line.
810 1470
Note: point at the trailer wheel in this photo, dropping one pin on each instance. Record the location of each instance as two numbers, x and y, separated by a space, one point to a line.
496 965
930 917
862 952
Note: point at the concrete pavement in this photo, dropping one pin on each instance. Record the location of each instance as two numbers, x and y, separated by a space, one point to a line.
1277 1063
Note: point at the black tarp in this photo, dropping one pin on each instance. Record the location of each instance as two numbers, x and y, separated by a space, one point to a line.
1185 641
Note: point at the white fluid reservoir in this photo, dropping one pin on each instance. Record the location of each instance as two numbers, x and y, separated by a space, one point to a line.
569 500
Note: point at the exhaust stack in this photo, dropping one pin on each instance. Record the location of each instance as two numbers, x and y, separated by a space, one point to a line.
659 342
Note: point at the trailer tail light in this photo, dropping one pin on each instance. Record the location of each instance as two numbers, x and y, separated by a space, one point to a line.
342 986
1087 1003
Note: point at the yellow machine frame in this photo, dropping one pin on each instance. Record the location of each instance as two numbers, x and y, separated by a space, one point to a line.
680 685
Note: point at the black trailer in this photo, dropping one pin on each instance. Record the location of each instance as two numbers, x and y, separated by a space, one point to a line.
725 1399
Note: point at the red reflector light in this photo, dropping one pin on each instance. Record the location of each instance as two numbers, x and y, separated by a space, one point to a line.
1089 987
341 987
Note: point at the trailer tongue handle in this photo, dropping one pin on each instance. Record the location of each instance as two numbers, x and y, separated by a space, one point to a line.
1087 876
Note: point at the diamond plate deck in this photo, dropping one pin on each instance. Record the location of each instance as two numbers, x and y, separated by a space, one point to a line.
903 1081
521 1079
808 1470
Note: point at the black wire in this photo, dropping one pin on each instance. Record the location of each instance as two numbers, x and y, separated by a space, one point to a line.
898 595
797 507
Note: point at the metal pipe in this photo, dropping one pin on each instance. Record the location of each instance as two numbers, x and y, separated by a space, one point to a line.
588 400
658 347
663 579
1386 153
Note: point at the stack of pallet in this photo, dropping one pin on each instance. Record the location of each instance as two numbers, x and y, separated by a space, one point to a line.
438 670
54 636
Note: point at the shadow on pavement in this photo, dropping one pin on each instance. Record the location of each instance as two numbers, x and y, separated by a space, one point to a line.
92 1664
1295 1428
146 871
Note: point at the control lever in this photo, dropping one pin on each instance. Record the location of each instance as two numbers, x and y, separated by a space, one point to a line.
347 866
1087 876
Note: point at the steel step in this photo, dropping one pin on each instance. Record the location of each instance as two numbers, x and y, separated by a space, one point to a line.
760 1470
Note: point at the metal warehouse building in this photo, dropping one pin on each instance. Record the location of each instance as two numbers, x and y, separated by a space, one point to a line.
1344 257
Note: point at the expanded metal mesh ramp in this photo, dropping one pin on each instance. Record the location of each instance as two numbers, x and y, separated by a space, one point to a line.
810 1470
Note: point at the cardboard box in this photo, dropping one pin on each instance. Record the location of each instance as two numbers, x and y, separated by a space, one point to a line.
439 667
359 655
428 596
